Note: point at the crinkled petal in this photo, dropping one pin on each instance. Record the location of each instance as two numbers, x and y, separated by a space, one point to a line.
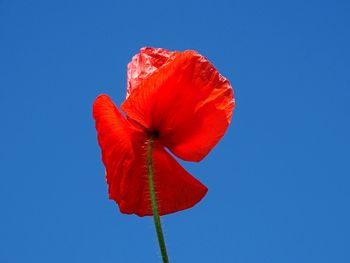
124 150
144 64
187 102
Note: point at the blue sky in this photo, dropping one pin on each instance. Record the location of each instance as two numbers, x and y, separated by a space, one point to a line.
278 181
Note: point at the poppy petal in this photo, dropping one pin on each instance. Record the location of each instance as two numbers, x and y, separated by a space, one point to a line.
144 64
176 189
116 138
187 102
124 156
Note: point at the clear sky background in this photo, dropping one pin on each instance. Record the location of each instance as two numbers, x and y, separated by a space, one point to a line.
278 181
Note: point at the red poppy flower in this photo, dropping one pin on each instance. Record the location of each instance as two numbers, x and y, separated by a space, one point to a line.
182 101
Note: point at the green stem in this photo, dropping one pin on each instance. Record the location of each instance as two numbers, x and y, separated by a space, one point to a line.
152 191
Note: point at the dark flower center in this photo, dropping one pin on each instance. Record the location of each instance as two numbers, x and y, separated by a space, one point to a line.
153 134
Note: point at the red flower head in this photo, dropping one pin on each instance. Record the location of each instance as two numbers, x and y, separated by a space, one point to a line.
180 101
